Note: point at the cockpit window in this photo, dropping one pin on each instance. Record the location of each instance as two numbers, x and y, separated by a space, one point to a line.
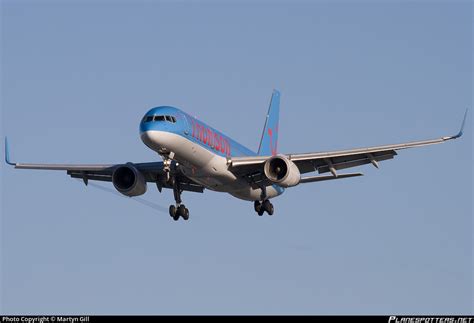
170 119
159 118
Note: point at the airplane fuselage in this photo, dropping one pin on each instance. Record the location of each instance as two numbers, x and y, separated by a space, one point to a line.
197 156
201 151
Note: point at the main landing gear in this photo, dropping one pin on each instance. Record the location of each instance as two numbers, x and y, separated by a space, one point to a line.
178 210
264 204
262 207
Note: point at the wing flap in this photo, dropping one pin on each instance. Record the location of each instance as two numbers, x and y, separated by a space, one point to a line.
92 177
313 179
354 161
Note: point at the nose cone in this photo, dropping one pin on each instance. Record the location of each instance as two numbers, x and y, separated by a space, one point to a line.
156 140
147 138
145 126
147 129
156 127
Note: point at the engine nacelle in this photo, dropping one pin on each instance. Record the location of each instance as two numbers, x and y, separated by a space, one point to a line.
282 171
129 181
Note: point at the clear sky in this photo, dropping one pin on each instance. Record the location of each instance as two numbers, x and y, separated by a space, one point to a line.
77 76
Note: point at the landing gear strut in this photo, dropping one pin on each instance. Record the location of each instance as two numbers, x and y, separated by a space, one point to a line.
264 204
167 168
262 207
178 210
167 160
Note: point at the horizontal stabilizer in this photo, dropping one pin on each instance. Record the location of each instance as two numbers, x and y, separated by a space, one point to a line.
327 178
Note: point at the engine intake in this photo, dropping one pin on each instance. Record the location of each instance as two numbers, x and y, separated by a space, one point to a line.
129 181
282 171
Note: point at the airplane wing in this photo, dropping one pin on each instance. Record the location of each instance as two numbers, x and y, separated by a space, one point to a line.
324 162
152 171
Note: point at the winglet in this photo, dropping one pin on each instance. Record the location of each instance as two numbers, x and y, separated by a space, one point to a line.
7 153
462 126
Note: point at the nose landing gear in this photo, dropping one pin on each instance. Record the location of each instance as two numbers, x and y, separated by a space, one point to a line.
178 210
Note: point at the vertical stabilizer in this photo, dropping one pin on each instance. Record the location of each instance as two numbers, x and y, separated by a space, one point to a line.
269 142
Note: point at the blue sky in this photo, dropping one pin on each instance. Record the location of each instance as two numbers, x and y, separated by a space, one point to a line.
78 76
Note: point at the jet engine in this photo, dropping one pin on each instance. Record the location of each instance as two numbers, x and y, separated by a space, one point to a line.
282 171
129 181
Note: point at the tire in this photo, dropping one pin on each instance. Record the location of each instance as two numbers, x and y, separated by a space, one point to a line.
186 215
270 210
268 207
257 206
176 217
260 213
172 211
181 211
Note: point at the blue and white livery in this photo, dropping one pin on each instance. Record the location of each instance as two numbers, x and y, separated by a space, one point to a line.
197 156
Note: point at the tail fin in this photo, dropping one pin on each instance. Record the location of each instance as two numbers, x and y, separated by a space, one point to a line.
269 141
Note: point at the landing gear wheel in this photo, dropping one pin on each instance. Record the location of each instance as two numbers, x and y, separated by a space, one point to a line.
270 210
268 207
181 210
186 214
172 211
260 213
257 206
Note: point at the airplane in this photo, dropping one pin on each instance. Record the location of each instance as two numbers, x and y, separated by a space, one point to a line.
196 156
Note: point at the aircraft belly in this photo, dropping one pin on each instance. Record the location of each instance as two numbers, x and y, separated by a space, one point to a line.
214 175
250 194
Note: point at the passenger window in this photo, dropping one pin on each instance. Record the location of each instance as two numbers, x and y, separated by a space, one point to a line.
159 118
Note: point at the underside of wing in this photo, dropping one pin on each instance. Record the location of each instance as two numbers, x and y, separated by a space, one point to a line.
253 167
328 164
313 179
152 172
